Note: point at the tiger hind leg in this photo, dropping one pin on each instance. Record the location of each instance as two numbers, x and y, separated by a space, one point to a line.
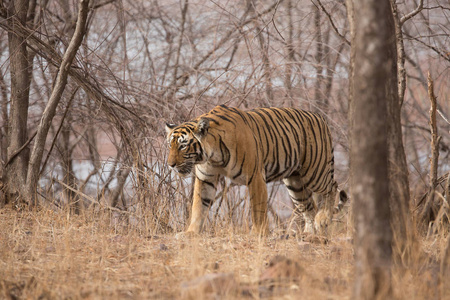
302 200
343 198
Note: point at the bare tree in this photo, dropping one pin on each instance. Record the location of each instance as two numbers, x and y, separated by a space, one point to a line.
374 33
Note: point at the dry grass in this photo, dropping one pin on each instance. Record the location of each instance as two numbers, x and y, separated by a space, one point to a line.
44 254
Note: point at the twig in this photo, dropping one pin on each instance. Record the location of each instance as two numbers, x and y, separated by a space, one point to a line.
243 22
180 45
443 211
92 200
332 22
273 21
443 117
102 4
445 56
85 80
439 181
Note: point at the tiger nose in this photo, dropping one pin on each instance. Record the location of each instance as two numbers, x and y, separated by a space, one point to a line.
171 164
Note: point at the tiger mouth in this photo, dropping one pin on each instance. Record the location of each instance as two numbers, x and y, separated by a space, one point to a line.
184 170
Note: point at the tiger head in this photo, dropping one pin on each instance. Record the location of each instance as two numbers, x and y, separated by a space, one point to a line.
185 148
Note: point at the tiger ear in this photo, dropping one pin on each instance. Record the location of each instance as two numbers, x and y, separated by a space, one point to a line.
202 127
169 127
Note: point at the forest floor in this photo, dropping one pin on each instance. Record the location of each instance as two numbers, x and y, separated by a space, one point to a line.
49 255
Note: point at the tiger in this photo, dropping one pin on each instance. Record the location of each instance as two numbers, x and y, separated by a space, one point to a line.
253 148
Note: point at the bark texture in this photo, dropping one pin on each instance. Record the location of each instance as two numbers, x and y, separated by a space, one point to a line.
373 66
16 170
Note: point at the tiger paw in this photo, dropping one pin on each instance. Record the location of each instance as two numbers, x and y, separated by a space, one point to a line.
260 231
314 239
321 223
186 235
309 227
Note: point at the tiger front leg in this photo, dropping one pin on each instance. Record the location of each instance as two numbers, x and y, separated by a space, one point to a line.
258 202
204 194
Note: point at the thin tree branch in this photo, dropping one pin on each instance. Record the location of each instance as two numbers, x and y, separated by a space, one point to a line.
224 39
443 116
331 22
85 80
58 131
92 200
17 152
180 43
445 56
434 134
412 14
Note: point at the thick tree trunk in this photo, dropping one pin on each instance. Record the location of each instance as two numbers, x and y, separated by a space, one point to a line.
369 148
16 170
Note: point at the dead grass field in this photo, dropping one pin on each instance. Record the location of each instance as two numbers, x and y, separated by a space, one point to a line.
49 255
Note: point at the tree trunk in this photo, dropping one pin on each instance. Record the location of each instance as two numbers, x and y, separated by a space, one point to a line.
16 170
351 21
65 152
3 137
373 64
445 269
318 93
398 169
55 97
289 53
121 180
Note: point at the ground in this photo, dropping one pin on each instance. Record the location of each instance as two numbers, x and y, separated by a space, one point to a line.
51 255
